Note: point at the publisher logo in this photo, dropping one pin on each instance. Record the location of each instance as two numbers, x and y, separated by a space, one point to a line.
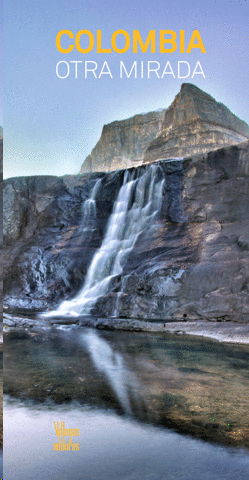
65 441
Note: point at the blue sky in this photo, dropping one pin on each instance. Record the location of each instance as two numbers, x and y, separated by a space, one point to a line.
52 124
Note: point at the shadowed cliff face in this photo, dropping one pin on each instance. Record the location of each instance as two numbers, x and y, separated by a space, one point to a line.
1 217
193 264
194 123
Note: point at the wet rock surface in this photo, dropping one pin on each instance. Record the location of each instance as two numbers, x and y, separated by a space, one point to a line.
48 245
192 265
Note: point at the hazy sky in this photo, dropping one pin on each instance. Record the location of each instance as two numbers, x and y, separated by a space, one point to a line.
52 124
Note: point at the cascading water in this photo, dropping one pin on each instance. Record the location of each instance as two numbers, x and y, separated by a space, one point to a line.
138 202
89 209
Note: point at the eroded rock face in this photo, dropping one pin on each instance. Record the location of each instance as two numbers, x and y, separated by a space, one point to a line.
194 123
48 246
194 264
1 215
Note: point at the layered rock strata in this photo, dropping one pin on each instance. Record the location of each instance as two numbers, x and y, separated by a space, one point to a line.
194 123
194 265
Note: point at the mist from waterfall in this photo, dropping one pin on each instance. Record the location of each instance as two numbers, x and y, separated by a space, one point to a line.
137 204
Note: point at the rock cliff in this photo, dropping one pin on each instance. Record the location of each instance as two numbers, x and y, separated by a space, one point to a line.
1 220
194 123
193 265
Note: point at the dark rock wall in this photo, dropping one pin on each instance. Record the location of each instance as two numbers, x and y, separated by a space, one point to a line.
47 248
197 265
194 265
1 218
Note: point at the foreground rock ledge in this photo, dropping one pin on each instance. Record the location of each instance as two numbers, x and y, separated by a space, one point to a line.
226 332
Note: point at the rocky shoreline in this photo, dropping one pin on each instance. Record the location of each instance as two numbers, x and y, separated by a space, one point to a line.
225 332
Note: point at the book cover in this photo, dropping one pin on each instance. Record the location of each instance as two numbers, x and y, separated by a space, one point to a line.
125 272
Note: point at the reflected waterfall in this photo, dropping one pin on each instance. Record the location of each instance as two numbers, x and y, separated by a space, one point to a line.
111 364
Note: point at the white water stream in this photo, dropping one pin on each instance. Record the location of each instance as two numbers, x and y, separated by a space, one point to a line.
138 202
89 210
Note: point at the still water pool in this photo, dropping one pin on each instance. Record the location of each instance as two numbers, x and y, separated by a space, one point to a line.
147 406
110 448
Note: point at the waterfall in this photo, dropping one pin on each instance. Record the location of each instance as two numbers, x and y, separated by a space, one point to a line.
137 204
89 209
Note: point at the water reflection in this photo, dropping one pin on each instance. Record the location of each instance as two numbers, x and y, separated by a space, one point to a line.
194 386
111 364
110 448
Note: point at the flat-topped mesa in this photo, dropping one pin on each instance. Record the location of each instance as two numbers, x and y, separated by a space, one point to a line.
194 123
